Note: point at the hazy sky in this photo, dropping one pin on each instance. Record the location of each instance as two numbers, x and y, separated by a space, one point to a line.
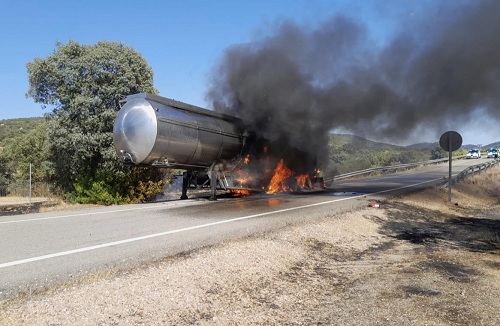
183 41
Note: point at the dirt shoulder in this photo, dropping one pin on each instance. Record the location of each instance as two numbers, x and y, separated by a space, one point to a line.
416 260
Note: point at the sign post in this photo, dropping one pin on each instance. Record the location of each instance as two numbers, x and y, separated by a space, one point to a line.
450 141
30 184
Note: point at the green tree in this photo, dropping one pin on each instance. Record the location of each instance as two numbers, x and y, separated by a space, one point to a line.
437 153
4 170
21 151
31 148
84 84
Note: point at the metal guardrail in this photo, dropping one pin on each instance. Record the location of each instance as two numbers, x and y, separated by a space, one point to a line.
388 168
478 168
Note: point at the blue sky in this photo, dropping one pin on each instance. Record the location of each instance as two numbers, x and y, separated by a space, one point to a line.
181 40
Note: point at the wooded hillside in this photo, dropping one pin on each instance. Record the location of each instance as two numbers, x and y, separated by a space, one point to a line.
13 128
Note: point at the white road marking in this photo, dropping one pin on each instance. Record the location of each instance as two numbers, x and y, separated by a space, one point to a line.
155 235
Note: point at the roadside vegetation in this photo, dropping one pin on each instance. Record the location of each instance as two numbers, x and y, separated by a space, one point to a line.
70 149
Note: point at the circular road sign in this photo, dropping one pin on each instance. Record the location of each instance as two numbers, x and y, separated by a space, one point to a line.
450 141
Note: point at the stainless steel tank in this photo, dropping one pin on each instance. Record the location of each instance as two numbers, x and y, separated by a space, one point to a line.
153 130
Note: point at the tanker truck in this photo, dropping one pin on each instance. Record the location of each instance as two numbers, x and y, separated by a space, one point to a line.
155 131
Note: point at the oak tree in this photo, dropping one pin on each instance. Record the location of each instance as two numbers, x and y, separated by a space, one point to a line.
83 86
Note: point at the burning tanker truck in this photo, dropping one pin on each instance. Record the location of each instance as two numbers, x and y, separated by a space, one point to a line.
214 149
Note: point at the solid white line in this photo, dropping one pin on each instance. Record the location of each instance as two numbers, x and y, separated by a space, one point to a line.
155 235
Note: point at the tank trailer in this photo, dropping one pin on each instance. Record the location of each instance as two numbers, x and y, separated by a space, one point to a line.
155 131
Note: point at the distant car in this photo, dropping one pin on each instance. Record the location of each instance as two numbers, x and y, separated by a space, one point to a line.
473 153
492 153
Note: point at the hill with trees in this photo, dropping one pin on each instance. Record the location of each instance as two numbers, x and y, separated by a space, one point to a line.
12 128
349 153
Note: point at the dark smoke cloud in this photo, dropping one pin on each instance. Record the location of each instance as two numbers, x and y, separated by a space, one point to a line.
296 84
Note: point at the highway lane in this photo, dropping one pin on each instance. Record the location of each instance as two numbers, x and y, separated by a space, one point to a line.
38 250
411 177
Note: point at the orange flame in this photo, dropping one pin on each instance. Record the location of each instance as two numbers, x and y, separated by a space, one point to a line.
278 181
302 180
246 160
240 192
243 177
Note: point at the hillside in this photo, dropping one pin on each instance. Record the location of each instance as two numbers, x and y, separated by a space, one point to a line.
341 140
496 145
347 153
12 128
421 146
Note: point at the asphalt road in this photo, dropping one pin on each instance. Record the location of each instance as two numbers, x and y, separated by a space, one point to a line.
43 249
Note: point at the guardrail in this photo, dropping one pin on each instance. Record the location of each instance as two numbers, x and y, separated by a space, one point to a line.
478 168
388 168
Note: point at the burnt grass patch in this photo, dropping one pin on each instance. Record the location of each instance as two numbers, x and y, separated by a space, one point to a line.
17 209
415 290
452 270
323 257
26 208
480 233
318 264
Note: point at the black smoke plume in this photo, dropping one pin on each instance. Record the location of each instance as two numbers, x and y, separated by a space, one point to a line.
293 86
